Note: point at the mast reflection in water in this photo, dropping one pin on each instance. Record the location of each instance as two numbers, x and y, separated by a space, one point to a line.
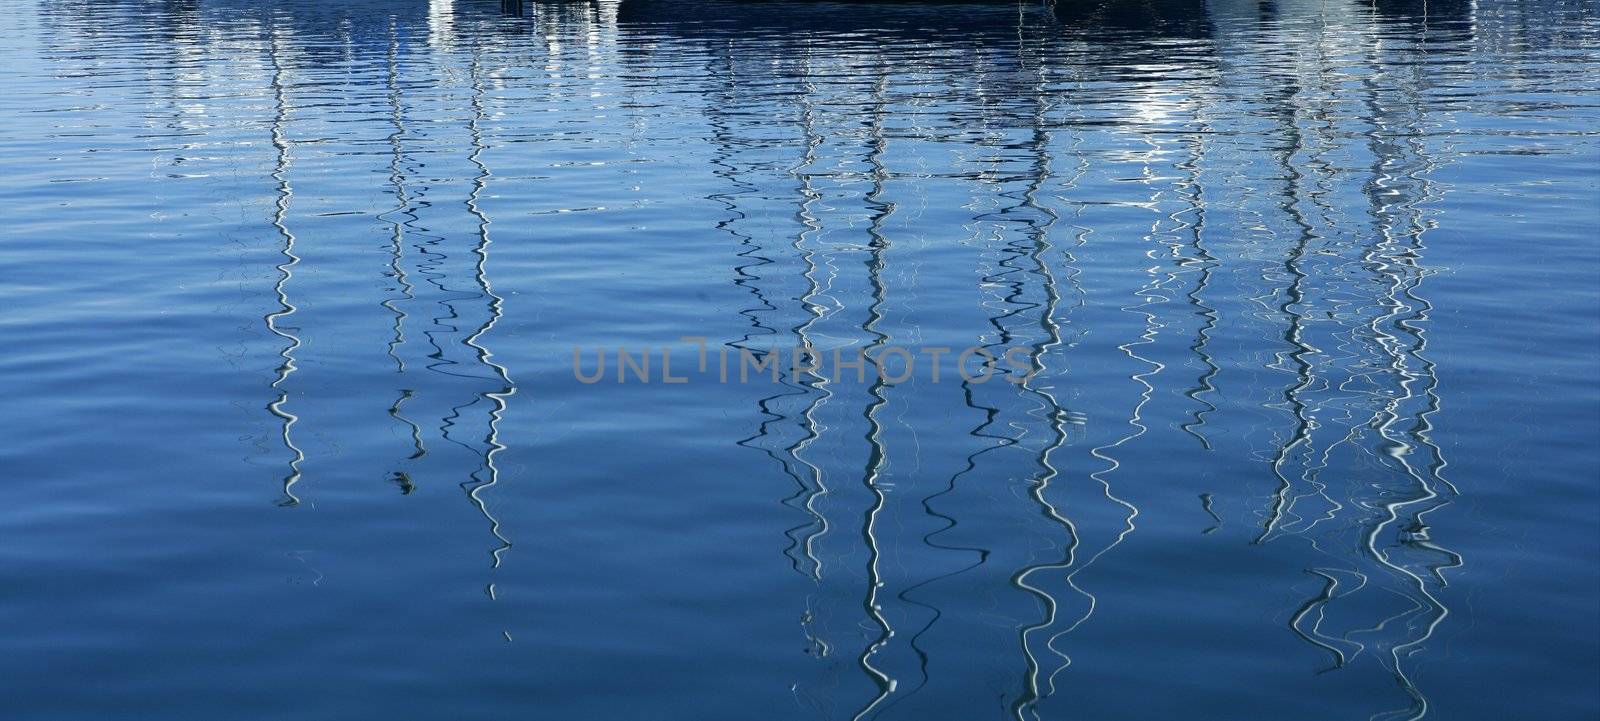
1301 422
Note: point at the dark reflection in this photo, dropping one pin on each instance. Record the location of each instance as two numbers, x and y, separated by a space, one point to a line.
1171 18
1428 11
793 22
957 22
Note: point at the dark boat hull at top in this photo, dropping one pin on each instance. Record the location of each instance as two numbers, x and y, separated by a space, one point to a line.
436 360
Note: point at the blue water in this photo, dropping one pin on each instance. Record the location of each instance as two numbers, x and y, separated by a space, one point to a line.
1303 420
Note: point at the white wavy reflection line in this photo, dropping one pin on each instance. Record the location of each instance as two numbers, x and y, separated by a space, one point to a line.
878 454
285 192
1056 419
496 304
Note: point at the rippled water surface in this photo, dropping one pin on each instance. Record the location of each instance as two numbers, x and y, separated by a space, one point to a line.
1301 419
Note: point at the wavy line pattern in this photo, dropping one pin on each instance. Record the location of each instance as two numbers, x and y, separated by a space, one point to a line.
1263 435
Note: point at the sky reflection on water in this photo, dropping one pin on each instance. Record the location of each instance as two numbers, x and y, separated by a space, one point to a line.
1305 293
